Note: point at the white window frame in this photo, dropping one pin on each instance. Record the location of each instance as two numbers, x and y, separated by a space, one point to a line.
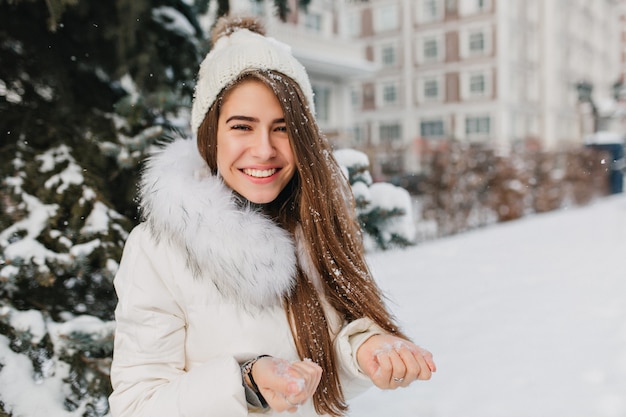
386 18
472 76
356 97
317 20
314 22
476 42
424 9
323 110
421 43
472 7
383 89
480 121
358 134
391 125
477 84
438 120
422 82
432 90
388 46
466 38
354 24
483 5
257 8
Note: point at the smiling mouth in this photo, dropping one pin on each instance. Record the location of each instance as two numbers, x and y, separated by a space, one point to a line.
260 173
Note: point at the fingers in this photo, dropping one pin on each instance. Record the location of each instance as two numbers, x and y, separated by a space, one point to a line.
417 366
392 370
289 385
310 375
400 362
429 359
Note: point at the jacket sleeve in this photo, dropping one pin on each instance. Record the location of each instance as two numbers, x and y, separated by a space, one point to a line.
148 370
347 342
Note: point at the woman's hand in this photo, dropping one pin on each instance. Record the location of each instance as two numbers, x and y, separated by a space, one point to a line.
285 386
393 362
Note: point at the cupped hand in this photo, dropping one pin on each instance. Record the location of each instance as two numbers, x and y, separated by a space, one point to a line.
393 362
284 385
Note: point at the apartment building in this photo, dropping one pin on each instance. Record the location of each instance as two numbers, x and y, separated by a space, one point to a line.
496 71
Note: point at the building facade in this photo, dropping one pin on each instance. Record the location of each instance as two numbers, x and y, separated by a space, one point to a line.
503 72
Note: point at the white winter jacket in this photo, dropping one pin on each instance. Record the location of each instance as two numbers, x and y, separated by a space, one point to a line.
200 286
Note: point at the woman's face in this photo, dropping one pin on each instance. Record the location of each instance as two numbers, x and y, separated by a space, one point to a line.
254 154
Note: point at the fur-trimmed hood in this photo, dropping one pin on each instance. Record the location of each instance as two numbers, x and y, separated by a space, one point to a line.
250 259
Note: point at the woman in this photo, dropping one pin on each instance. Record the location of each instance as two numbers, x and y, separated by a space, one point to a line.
246 290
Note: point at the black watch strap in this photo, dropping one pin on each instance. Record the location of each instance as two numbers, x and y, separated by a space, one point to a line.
253 394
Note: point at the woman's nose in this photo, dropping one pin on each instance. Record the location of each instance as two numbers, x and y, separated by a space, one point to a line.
263 148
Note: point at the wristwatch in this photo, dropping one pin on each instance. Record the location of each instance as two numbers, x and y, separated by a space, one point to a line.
253 394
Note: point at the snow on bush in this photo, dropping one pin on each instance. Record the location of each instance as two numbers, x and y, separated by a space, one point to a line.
384 210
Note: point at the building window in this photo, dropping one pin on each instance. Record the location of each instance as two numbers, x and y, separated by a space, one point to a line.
432 129
313 22
257 8
386 18
477 84
431 89
478 126
431 10
431 49
388 55
390 94
390 132
358 133
468 7
321 98
354 25
477 43
356 98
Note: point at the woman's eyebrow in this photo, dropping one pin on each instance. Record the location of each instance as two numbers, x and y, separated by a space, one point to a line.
253 119
244 118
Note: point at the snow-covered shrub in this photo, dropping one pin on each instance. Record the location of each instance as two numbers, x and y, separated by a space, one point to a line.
62 368
384 210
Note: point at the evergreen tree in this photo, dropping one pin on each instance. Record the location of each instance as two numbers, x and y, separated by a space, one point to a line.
85 89
384 210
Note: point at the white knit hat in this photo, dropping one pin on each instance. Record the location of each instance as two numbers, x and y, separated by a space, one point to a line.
237 50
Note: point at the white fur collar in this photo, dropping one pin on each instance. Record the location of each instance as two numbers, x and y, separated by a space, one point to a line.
249 258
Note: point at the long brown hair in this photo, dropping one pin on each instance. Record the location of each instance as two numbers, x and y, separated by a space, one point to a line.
319 201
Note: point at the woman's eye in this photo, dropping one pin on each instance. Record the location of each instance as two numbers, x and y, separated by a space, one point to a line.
281 129
240 127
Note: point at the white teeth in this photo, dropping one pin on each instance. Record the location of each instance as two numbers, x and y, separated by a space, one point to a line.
260 173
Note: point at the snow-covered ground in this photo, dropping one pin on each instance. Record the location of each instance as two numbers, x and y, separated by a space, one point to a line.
525 319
